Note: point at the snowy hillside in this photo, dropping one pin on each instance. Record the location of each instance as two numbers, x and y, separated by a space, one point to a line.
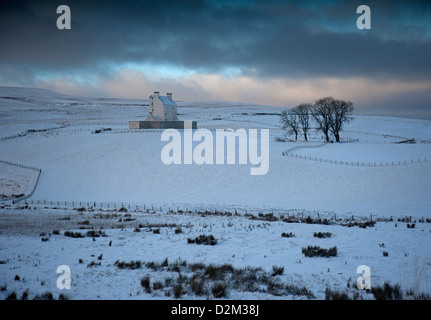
122 166
382 171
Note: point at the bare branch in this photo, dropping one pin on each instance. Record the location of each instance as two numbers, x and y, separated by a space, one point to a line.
290 123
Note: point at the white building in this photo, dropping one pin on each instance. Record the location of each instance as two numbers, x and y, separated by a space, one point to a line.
162 108
163 115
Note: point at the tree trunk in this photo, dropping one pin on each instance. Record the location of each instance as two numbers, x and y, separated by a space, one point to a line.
305 136
337 137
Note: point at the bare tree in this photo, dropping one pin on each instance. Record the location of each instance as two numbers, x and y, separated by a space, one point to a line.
330 115
303 112
340 114
321 112
290 122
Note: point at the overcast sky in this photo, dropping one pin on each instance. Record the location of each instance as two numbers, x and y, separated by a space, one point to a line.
279 53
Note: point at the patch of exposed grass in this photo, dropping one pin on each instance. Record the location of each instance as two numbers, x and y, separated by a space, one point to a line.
178 290
94 264
277 271
322 235
316 251
146 283
72 234
12 296
387 292
219 290
96 233
128 265
204 239
287 235
200 279
336 295
359 224
44 296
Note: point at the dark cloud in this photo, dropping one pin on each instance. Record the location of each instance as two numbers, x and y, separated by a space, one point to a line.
299 52
263 38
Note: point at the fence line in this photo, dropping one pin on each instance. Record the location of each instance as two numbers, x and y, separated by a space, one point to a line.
132 131
32 191
377 142
286 153
197 209
23 134
360 163
150 130
378 134
92 130
173 208
39 171
100 123
348 140
120 206
20 165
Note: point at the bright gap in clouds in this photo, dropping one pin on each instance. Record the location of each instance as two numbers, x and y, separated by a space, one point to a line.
155 72
139 81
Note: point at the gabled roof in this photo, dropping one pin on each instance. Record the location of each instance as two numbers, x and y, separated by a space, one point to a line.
152 117
167 101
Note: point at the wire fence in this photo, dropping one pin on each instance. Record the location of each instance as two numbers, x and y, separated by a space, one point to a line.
39 171
379 142
29 131
138 207
378 134
32 191
288 153
163 208
101 123
20 165
89 204
131 131
311 146
18 135
151 130
360 163
266 214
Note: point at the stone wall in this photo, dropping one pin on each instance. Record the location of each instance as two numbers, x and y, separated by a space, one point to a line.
160 124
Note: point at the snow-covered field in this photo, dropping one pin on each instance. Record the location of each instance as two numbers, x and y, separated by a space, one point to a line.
384 180
16 181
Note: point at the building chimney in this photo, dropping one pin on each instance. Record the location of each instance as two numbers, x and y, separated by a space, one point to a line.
156 94
169 94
